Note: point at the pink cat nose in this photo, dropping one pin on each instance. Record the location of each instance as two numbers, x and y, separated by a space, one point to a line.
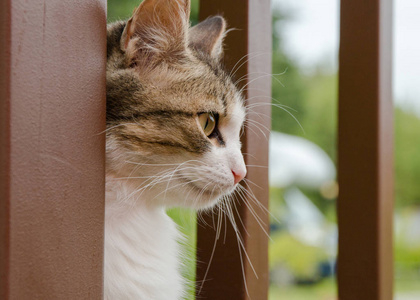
238 176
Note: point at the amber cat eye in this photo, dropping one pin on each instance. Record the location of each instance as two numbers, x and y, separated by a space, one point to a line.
208 122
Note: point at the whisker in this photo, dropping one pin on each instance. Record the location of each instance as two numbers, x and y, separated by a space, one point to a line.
255 200
109 128
239 216
254 214
257 166
232 74
278 106
208 264
264 74
239 239
246 180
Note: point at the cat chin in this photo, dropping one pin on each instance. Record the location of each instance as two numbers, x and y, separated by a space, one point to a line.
197 198
199 204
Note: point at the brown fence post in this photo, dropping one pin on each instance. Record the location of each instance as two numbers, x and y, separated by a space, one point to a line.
52 111
251 42
365 159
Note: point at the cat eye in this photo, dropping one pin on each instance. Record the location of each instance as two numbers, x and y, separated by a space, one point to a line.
208 122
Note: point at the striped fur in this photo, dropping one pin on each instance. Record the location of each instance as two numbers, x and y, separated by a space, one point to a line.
160 76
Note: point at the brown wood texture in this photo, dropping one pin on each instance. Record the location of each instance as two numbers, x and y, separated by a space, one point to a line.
4 143
52 113
365 206
248 51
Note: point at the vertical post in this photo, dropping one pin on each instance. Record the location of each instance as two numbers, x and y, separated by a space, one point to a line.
231 272
52 111
365 205
4 144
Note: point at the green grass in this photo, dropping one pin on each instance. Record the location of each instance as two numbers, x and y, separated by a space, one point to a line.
186 220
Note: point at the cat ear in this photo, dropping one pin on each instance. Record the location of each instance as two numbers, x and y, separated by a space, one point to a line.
157 30
208 36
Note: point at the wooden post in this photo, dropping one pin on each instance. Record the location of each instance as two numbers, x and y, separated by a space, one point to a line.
248 47
365 205
52 113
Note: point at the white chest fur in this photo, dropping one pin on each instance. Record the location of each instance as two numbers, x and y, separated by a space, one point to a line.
141 252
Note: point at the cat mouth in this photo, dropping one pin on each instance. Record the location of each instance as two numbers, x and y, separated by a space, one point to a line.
197 188
216 190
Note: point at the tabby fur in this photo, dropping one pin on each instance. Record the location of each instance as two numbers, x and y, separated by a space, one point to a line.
162 74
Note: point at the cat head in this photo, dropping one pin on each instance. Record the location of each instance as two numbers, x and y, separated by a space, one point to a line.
174 115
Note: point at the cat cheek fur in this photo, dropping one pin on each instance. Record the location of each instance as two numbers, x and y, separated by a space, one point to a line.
227 159
210 176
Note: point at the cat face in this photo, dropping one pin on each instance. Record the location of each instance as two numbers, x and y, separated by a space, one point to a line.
173 115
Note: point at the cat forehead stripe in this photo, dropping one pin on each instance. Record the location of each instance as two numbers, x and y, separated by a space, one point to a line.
197 148
163 113
224 102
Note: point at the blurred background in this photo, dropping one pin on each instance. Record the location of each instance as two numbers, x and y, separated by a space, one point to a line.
303 187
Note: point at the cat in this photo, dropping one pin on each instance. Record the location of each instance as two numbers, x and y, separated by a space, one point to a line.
174 119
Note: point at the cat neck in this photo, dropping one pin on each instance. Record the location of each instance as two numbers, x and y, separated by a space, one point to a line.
141 249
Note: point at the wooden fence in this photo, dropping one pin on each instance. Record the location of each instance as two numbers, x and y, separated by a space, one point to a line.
52 87
365 151
52 107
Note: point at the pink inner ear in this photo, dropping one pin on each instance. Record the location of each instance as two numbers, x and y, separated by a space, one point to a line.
154 16
129 33
208 36
157 31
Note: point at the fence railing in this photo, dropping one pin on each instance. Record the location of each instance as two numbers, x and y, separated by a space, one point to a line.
52 109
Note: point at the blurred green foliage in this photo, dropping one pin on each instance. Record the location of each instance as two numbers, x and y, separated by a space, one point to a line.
120 9
407 158
123 9
186 220
302 260
323 290
288 90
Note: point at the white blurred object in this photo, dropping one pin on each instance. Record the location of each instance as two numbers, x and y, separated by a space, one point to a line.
407 227
297 161
307 223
